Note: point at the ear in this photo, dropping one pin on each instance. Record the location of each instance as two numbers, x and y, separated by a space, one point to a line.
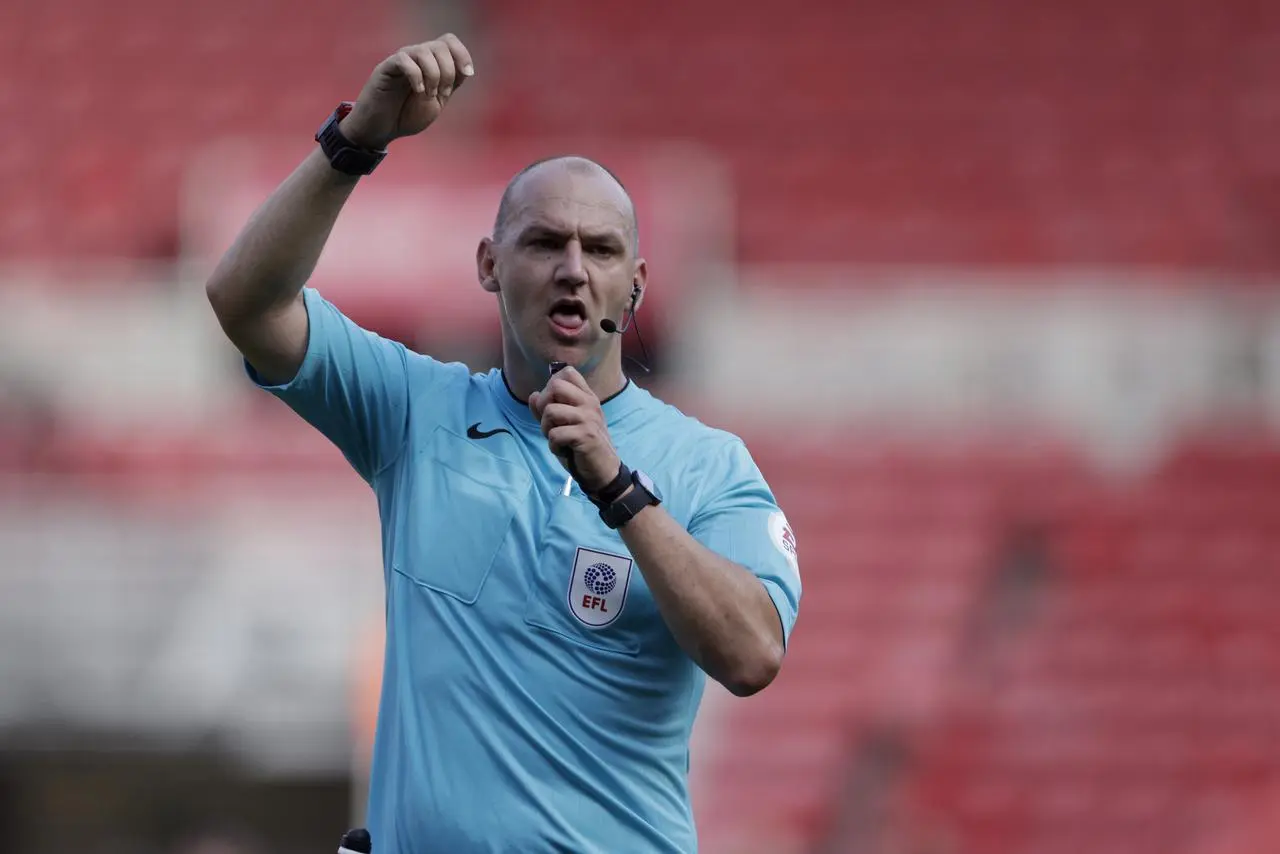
487 266
640 281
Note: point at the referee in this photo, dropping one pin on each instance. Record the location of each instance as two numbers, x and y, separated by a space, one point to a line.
566 558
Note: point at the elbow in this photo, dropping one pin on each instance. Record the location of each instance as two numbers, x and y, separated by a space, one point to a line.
752 674
215 291
229 295
233 303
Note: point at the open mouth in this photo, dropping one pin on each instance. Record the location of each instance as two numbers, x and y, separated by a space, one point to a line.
569 316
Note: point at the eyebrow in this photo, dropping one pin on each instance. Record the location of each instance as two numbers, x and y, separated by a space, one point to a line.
612 236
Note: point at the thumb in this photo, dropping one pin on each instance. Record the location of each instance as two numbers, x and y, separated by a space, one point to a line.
535 401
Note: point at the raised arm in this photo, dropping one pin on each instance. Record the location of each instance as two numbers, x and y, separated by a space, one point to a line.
256 288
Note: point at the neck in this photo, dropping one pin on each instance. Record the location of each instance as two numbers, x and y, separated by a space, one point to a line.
605 377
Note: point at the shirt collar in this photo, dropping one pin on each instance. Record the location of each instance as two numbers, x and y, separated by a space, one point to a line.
617 405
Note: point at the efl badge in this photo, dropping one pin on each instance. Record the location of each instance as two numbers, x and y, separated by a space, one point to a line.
598 586
784 538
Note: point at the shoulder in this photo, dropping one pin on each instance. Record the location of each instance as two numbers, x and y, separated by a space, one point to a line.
701 448
676 424
443 379
707 471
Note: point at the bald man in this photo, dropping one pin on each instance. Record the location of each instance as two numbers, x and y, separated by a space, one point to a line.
566 558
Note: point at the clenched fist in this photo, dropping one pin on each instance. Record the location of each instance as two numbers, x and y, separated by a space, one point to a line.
576 430
407 92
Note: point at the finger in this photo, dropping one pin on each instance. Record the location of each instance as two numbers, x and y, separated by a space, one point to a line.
461 57
561 389
426 60
574 376
444 59
403 65
561 414
564 439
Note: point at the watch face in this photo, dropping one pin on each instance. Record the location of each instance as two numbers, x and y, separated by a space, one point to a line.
648 485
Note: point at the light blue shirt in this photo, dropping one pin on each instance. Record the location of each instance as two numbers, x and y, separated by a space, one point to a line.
533 698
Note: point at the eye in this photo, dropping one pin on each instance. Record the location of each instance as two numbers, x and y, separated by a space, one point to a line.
602 250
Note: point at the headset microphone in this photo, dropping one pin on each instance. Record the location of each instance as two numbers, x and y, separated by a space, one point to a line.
610 327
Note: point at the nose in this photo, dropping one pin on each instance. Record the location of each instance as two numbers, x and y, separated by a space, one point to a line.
571 272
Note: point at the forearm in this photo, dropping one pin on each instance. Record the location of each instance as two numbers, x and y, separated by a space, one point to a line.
719 613
276 252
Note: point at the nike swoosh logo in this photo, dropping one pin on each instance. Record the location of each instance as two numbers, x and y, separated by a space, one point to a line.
474 432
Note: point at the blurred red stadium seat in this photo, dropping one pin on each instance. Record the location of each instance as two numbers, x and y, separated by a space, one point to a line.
1096 134
115 102
874 133
1142 696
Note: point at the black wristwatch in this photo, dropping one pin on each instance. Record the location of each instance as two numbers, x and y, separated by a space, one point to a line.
343 156
611 491
620 511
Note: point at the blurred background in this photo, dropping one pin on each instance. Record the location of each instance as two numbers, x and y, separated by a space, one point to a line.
991 289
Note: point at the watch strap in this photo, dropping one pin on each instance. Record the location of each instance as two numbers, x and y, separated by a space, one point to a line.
623 510
612 491
344 156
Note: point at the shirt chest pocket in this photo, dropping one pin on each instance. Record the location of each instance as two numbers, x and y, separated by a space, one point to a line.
586 586
465 500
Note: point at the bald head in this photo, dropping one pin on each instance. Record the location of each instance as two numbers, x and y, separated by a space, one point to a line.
565 228
552 175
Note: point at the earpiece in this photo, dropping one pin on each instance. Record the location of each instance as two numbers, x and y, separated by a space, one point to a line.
612 328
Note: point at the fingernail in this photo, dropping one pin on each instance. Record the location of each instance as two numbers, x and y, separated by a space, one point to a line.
468 70
446 92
